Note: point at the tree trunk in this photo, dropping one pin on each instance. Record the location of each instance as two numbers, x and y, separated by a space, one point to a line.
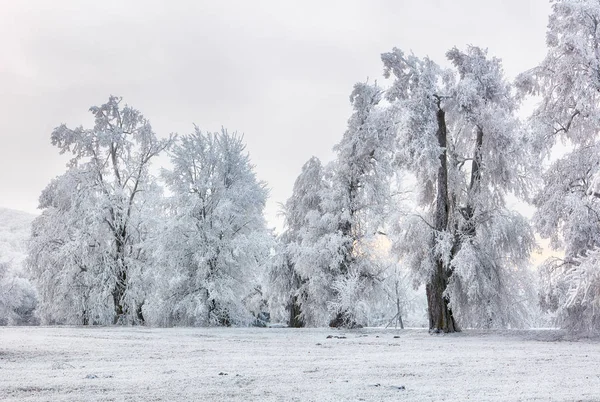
118 292
477 160
474 185
399 312
295 320
139 313
440 314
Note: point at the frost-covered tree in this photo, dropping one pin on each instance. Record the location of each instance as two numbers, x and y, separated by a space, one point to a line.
65 256
6 299
87 251
214 246
401 298
358 201
567 83
333 217
283 284
287 286
569 215
459 136
18 297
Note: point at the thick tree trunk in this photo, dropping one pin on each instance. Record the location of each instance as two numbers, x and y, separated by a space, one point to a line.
440 314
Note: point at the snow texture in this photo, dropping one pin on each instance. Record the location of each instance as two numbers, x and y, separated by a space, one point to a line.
269 364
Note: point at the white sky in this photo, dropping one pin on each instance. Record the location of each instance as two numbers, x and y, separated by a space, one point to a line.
278 71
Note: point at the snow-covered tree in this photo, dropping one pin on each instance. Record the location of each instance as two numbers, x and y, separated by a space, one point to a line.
459 136
569 215
87 252
567 83
287 286
214 246
333 217
65 256
283 284
358 202
6 302
18 297
313 245
401 297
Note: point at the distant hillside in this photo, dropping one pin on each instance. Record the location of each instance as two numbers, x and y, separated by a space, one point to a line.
15 228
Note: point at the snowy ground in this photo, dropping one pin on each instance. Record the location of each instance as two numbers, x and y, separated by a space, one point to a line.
223 364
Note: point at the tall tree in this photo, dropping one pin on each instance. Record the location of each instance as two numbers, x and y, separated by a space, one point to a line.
92 227
361 182
567 83
460 138
285 281
215 244
334 215
420 92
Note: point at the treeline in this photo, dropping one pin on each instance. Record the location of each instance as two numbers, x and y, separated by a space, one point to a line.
425 167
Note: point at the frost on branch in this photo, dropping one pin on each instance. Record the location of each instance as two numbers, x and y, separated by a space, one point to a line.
572 289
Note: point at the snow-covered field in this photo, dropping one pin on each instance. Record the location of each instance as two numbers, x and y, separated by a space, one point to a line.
224 364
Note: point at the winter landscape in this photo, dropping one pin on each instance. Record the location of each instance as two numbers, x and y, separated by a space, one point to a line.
438 240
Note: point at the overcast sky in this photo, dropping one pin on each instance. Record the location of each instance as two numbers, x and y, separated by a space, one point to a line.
278 71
